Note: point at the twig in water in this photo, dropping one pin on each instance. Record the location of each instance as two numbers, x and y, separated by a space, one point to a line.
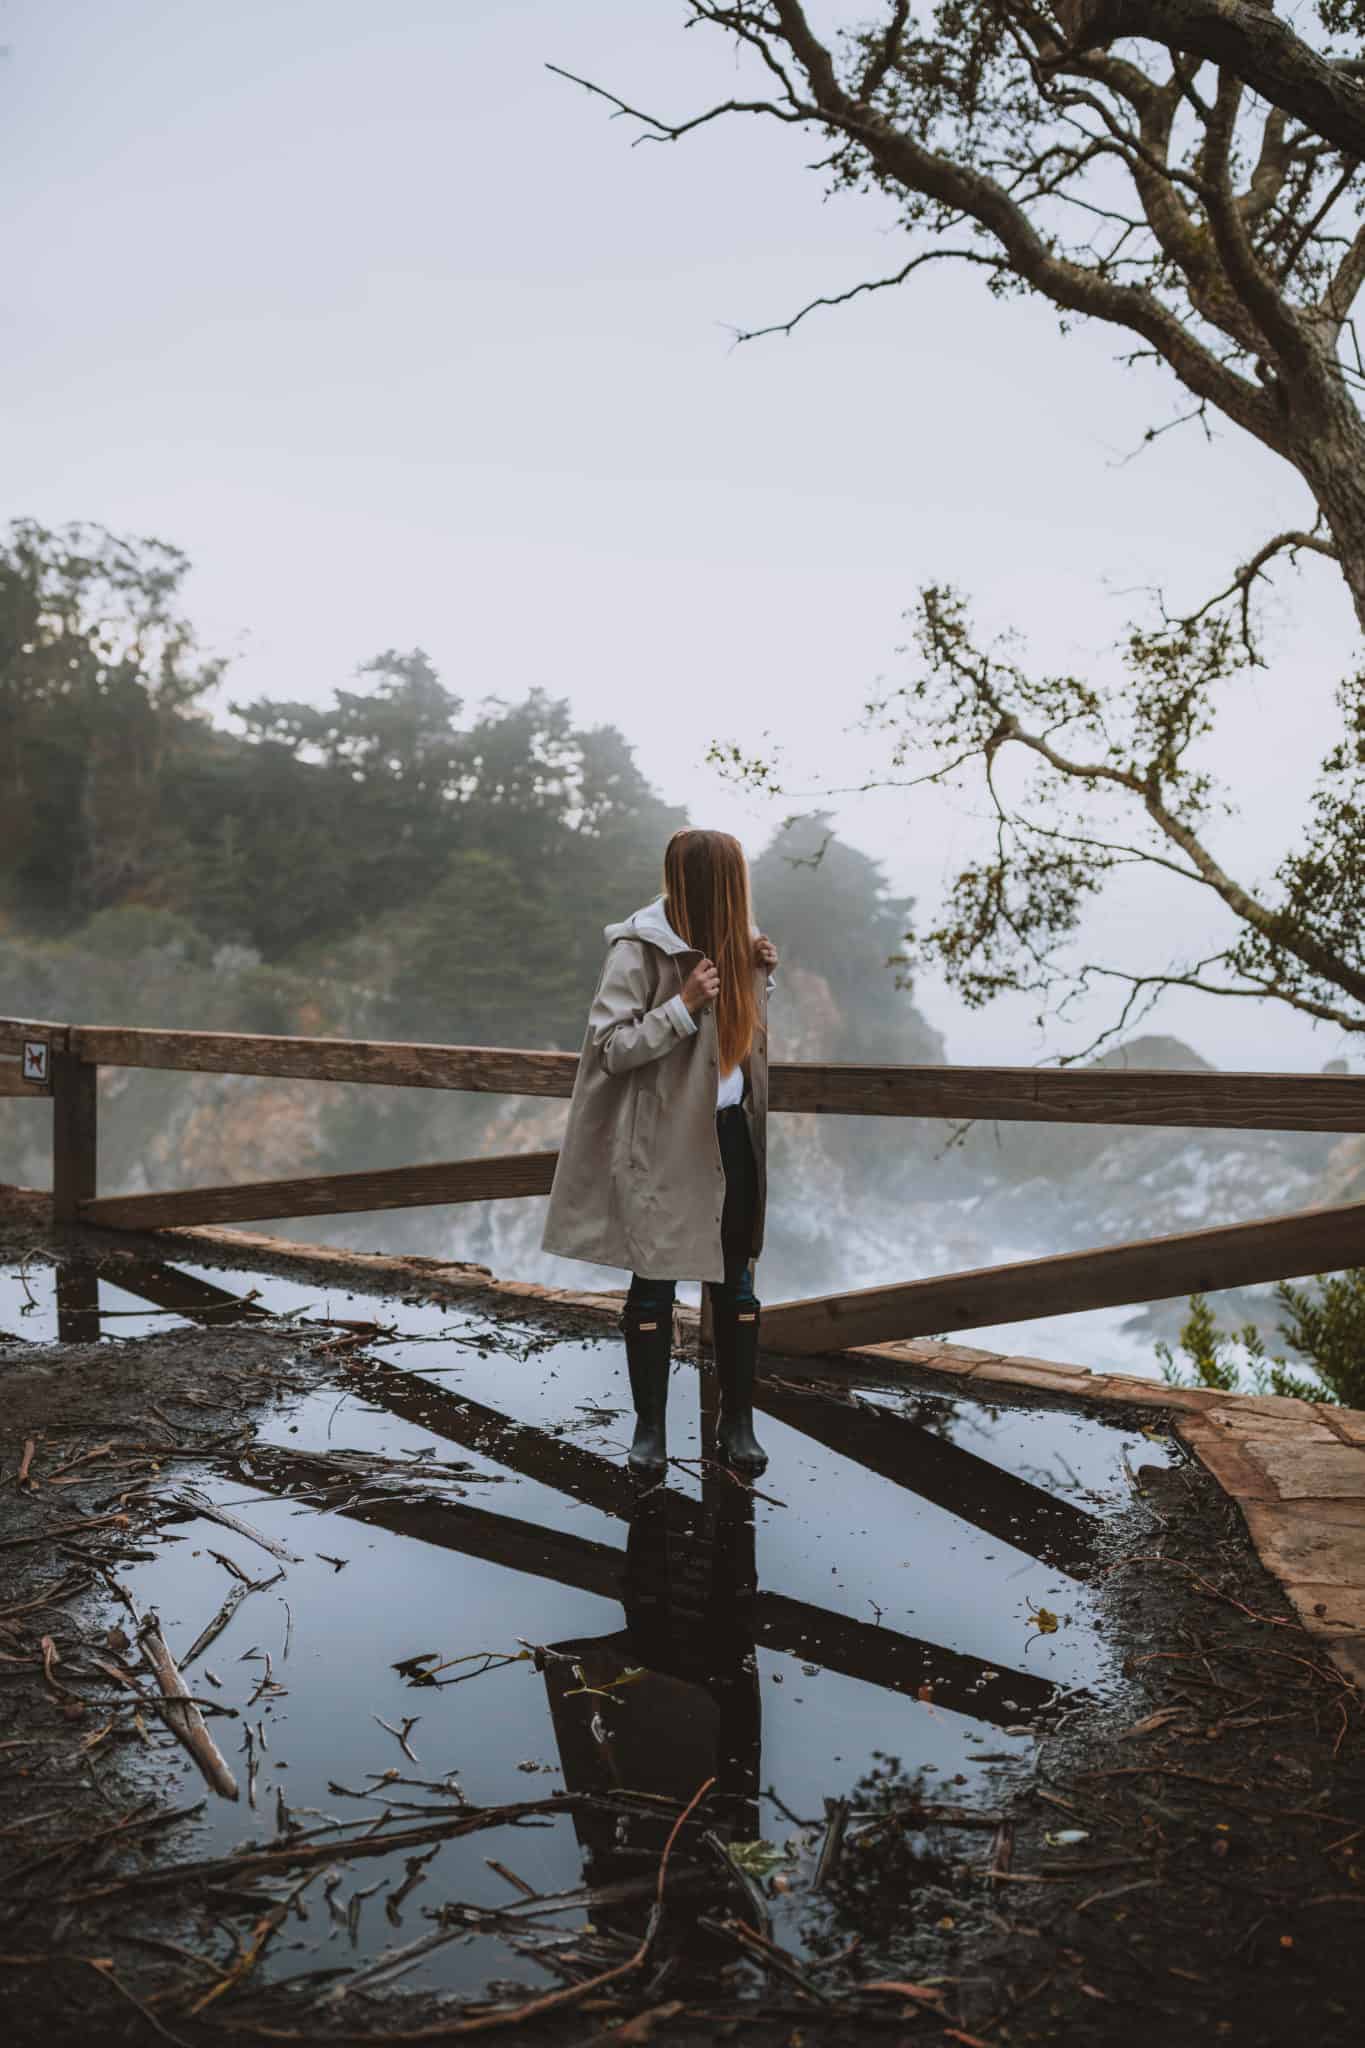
571 1994
230 1565
836 1812
416 1867
409 1723
235 1597
191 1502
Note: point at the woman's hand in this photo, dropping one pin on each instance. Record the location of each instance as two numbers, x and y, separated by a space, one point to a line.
701 987
765 953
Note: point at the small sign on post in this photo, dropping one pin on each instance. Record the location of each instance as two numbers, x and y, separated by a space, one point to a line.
36 1060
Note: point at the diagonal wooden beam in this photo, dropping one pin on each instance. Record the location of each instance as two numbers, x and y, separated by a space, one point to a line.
858 1649
330 1194
167 1287
1148 1269
862 1650
896 1448
518 1446
972 1488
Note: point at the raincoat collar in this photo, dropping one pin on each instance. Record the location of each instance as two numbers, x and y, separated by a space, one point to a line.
651 925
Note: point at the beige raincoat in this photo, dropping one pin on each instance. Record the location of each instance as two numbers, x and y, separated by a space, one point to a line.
639 1183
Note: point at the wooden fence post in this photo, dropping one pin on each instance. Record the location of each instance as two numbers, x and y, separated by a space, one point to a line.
74 1125
78 1304
708 1391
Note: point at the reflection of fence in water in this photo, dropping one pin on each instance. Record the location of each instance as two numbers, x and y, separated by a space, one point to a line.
62 1061
692 1532
671 1701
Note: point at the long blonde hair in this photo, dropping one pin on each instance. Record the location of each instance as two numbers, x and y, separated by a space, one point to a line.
706 900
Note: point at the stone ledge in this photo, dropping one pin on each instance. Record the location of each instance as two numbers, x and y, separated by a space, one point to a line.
1227 1459
1326 1609
1304 1544
1346 1423
1301 1468
1270 1427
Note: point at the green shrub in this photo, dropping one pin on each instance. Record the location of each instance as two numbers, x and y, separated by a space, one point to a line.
1324 1323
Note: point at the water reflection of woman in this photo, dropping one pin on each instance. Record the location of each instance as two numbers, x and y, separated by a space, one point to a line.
663 1169
673 1698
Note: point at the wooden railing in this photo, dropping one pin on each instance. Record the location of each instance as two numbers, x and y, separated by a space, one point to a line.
62 1062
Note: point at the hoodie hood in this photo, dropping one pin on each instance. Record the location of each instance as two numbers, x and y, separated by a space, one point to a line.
651 925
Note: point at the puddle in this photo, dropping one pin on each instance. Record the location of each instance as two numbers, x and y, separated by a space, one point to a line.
889 1594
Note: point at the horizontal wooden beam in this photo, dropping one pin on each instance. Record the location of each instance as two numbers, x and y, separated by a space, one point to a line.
1058 1095
1149 1269
1076 1095
13 1083
15 1030
330 1194
477 1068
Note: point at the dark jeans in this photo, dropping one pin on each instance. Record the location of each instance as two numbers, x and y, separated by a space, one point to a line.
655 1297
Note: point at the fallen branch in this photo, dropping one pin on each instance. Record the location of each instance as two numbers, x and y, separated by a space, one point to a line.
183 1718
297 1855
831 1848
225 1613
190 1501
239 1867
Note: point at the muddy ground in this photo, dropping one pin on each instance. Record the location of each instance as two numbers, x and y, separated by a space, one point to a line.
1179 1865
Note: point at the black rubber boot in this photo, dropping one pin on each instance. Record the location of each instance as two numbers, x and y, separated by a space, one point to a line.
736 1342
649 1355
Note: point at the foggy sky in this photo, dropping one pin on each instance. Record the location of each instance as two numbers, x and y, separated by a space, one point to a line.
401 340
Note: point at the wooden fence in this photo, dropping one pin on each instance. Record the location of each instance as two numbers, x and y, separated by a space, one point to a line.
62 1062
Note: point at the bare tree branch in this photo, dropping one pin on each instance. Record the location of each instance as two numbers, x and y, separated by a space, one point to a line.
1242 583
673 131
871 284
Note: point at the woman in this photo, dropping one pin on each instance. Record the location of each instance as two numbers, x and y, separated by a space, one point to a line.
663 1166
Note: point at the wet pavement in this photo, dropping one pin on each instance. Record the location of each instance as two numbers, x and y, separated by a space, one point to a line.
474 1603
